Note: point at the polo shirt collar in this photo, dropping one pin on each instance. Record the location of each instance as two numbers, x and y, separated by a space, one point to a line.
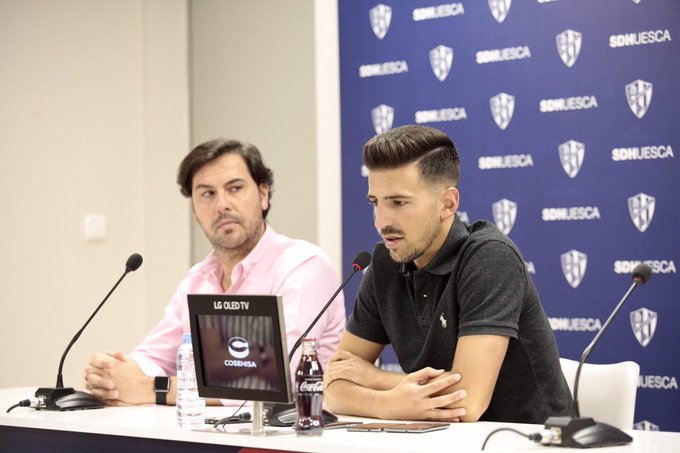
442 263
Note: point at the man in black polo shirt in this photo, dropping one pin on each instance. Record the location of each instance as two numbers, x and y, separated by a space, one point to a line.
455 301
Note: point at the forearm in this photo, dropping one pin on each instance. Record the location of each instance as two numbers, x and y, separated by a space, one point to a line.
478 376
412 399
345 397
385 380
476 401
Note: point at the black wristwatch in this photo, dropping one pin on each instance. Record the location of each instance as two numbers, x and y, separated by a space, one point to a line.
161 386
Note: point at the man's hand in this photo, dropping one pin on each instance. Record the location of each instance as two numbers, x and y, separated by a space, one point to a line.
351 367
116 379
415 398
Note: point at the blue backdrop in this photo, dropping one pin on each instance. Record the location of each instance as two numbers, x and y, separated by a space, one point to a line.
565 114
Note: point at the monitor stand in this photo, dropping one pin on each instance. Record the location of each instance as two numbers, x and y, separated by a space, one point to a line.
258 423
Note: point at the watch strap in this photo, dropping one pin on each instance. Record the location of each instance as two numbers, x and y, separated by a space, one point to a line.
161 387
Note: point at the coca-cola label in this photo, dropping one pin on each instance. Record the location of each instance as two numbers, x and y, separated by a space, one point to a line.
311 386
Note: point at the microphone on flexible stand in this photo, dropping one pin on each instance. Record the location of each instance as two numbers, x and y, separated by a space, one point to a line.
583 432
60 398
361 261
279 414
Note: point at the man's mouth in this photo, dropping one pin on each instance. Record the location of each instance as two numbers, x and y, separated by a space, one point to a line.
392 241
226 224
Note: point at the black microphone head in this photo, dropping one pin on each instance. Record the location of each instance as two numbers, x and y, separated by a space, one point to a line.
133 263
362 260
642 273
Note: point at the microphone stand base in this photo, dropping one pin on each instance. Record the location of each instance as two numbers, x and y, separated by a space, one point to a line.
66 399
584 432
285 414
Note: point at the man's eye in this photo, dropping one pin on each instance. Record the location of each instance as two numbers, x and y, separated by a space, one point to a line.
207 194
234 189
373 203
398 202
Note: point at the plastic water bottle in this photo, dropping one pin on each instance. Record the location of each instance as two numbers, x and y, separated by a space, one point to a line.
190 407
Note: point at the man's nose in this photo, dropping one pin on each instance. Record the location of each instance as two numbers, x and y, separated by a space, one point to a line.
224 202
380 218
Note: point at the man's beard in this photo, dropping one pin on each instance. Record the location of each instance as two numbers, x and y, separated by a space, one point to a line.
413 251
224 242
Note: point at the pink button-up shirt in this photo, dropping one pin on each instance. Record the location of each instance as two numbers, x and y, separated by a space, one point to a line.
295 269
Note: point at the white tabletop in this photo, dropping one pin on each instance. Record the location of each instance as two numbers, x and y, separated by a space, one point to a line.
158 422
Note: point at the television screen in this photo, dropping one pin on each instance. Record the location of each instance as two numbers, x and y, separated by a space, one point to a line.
240 347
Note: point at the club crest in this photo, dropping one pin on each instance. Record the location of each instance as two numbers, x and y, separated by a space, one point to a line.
380 17
641 210
382 117
571 157
441 58
646 425
504 214
639 96
499 9
574 265
569 46
502 108
643 323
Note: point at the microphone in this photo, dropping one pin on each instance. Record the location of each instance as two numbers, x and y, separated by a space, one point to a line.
60 398
583 432
286 414
361 262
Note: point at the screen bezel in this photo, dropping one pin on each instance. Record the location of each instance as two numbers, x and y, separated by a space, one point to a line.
258 305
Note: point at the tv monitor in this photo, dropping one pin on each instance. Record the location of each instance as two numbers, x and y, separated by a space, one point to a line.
239 344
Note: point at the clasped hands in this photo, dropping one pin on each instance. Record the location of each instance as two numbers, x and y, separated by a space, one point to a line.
425 394
117 380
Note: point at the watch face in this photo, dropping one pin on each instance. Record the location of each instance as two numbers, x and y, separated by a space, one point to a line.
161 384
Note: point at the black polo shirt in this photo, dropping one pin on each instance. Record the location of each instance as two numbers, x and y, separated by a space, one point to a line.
476 284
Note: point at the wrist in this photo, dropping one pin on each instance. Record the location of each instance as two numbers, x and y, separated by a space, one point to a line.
383 404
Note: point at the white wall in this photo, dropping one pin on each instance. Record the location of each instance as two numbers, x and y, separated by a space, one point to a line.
252 79
93 119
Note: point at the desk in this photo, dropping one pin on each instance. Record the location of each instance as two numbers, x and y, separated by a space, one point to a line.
153 428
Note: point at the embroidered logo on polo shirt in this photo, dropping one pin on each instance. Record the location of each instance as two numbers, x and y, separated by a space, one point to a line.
443 320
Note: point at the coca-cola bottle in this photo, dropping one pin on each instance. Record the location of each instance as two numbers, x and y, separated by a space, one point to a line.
309 391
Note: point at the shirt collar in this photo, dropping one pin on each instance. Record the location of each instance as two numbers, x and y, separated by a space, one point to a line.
211 268
442 263
260 249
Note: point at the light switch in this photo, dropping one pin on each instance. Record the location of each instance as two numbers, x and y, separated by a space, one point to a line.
95 227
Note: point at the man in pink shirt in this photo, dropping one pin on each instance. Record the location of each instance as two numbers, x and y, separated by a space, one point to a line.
230 190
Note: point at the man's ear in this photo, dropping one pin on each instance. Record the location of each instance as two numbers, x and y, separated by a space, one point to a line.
264 196
450 198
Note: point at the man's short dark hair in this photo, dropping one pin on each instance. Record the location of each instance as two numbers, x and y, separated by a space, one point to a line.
434 151
210 151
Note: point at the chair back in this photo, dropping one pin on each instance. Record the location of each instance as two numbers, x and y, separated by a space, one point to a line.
606 392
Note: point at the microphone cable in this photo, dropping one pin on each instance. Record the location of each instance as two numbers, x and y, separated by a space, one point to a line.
233 418
29 402
544 437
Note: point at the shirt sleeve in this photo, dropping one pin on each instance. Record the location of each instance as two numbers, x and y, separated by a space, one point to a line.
491 287
156 355
306 289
